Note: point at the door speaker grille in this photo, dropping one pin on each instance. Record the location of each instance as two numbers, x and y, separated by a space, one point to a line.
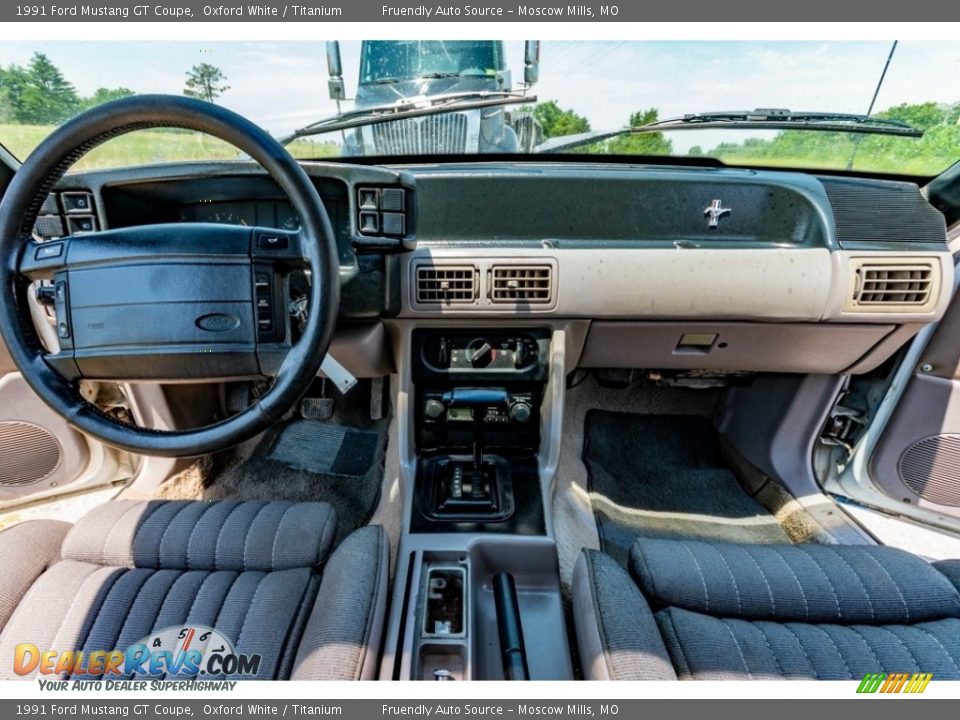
28 453
931 468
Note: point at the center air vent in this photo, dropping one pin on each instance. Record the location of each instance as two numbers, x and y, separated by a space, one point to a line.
446 284
521 284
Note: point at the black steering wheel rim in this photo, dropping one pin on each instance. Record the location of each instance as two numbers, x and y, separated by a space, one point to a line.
46 166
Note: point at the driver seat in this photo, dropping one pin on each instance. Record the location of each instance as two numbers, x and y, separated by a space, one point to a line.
261 574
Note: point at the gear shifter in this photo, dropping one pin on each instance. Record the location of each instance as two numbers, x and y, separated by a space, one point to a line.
478 400
476 488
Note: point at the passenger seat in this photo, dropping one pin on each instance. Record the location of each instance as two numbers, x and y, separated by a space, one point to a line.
701 610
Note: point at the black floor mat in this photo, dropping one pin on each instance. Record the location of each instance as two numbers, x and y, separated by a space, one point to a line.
662 475
325 448
312 460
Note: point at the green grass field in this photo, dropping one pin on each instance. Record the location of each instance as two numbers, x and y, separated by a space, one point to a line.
915 166
159 146
149 146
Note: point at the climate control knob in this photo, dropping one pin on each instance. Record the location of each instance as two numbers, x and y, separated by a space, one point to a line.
520 412
480 353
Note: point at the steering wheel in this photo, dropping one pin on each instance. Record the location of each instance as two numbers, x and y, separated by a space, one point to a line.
169 302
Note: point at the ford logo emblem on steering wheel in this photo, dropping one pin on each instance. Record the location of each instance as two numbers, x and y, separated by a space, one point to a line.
218 322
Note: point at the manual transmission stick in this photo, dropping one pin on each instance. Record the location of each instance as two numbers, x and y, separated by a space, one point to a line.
478 400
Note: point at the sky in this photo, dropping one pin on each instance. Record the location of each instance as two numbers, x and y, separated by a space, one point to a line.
283 85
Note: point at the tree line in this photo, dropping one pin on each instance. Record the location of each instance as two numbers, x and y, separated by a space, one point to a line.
557 122
40 94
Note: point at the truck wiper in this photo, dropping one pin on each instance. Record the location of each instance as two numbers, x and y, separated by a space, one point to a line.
437 75
382 81
410 108
760 119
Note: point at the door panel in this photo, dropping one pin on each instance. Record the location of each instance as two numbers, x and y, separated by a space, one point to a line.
39 452
917 459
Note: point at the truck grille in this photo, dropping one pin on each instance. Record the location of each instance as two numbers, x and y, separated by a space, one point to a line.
433 134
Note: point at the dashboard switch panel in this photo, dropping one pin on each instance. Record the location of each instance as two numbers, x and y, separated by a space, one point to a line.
382 211
263 297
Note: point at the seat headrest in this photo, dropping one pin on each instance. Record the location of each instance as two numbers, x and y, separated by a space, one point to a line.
195 535
792 583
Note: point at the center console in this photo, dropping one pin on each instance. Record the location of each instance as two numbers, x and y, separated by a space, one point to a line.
478 397
477 577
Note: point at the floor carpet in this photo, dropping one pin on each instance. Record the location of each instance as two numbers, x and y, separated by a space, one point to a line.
661 475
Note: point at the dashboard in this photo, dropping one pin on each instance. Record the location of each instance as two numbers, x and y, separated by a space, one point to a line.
675 267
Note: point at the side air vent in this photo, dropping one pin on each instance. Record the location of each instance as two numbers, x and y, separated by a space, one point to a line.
905 285
521 284
881 286
446 284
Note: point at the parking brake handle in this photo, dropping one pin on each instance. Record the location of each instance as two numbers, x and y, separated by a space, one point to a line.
512 647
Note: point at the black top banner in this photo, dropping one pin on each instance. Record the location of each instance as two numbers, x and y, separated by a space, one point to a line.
483 11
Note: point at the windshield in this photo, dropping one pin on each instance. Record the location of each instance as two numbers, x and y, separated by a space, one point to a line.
389 61
562 89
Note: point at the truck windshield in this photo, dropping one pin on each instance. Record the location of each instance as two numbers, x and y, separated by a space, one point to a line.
389 61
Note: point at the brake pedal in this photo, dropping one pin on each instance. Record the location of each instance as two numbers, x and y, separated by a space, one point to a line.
318 408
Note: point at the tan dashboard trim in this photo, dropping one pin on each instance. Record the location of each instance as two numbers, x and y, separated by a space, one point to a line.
763 285
783 284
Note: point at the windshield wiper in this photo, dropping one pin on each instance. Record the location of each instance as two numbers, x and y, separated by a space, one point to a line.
760 119
410 108
777 118
437 75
